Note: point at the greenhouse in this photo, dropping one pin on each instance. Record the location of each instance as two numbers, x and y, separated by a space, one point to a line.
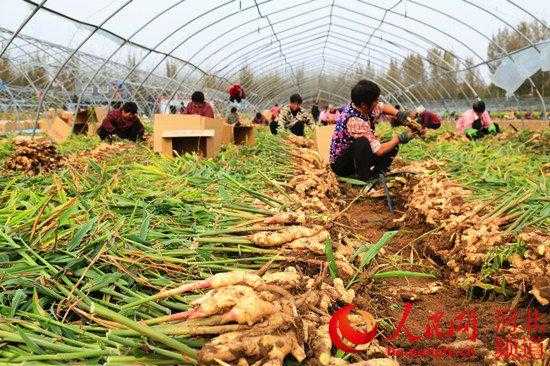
261 182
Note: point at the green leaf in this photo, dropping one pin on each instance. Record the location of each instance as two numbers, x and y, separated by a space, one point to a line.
18 298
33 346
37 308
81 233
333 269
8 240
144 229
368 252
353 182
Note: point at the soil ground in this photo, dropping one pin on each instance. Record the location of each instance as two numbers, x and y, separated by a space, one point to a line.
369 219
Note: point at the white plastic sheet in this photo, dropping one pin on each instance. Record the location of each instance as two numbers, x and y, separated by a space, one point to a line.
545 56
514 70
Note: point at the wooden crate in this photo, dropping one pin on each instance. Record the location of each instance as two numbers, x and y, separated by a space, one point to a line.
323 137
190 133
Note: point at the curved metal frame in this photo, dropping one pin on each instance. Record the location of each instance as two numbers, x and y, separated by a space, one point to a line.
336 54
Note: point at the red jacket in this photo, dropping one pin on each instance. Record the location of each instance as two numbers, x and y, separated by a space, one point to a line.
202 109
430 120
236 90
114 124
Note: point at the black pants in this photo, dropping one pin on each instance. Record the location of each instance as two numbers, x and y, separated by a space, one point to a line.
273 125
360 161
297 129
232 99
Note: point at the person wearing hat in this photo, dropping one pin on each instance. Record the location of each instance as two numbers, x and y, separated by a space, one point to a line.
476 122
427 119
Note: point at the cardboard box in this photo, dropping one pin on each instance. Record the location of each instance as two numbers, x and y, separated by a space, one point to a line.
89 119
7 127
323 137
57 129
100 113
190 133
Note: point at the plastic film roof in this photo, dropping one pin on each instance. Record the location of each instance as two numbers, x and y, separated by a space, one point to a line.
87 51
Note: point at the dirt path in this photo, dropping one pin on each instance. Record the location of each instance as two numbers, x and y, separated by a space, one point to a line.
433 299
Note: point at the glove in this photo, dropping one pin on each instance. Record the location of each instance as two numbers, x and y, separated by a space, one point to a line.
404 137
401 118
471 133
492 129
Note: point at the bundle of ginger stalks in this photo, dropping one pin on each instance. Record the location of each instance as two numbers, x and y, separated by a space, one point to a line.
260 320
488 199
93 245
32 156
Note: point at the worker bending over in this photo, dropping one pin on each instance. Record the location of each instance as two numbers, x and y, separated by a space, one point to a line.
259 119
233 117
236 93
355 150
199 106
426 118
293 117
476 122
123 123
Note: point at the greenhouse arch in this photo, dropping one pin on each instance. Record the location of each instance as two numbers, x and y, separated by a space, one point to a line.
317 48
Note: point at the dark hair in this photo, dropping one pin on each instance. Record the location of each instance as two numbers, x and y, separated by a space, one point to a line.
173 109
276 104
116 104
233 109
258 115
479 106
364 92
397 106
130 107
197 97
296 98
